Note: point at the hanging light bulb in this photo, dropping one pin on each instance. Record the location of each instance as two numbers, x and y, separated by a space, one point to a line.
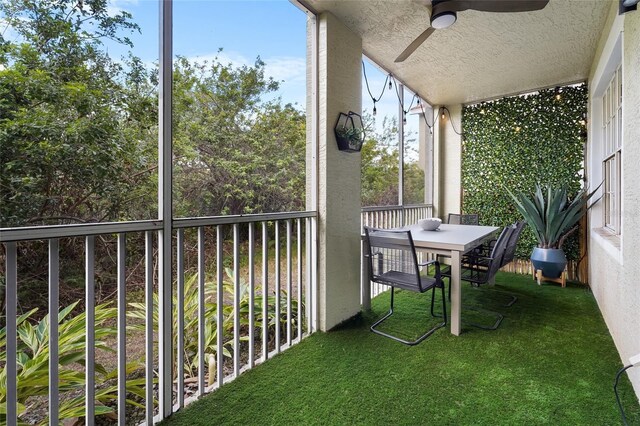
374 108
404 117
390 85
418 101
583 120
442 116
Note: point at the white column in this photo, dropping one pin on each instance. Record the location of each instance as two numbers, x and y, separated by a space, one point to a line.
448 161
337 174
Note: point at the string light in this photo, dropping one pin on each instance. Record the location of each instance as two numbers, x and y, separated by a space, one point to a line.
445 109
583 121
558 95
384 87
517 128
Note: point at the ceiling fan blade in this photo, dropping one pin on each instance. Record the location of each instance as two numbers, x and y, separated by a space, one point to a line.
415 44
488 5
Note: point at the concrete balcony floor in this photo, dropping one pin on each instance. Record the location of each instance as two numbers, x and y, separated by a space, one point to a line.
552 361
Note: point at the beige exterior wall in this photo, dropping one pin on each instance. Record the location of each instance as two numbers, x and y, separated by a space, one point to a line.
338 175
614 267
448 163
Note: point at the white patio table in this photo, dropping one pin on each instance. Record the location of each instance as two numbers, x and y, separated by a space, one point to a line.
449 240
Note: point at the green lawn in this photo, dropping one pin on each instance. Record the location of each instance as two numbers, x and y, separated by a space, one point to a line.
552 361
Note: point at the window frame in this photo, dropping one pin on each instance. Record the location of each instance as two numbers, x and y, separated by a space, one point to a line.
611 127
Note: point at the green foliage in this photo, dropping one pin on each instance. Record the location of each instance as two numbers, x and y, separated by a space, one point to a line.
517 143
63 116
190 328
353 137
550 214
379 169
33 362
235 153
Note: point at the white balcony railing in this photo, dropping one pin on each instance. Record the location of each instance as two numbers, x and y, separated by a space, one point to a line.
272 258
390 217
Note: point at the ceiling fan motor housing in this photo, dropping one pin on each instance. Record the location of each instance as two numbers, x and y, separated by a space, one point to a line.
441 16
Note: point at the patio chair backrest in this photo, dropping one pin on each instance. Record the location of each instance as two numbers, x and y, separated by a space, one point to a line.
463 219
510 250
498 251
392 258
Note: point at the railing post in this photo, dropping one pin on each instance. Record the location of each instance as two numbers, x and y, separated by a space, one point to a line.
54 307
165 214
11 290
122 328
400 89
90 390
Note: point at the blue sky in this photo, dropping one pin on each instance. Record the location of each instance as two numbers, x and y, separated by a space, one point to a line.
275 30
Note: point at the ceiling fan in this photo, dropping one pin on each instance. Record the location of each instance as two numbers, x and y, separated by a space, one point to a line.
444 14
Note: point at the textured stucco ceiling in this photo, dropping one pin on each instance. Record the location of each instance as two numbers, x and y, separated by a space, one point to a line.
483 55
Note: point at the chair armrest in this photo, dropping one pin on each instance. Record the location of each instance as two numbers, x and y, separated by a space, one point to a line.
432 262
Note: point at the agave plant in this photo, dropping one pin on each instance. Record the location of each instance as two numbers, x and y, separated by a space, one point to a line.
551 214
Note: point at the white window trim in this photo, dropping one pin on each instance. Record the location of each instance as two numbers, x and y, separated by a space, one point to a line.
611 142
608 62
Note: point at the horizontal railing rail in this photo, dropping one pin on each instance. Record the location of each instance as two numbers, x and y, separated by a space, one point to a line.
394 207
35 233
244 290
45 232
188 222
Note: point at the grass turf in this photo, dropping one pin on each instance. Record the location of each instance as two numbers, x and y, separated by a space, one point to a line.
552 361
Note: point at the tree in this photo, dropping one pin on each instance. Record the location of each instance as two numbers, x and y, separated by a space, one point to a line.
379 170
235 152
64 142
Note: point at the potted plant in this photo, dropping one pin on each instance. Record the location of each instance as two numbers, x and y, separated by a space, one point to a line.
349 131
553 217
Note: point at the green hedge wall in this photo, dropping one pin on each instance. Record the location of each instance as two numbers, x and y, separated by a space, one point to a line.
517 142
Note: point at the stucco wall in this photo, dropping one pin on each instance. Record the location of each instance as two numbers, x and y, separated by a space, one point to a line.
629 320
339 66
448 145
614 267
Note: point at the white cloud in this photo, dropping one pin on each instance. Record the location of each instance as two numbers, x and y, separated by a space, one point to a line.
116 6
280 68
287 68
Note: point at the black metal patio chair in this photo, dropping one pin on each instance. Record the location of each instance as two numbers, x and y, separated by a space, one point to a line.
510 251
480 258
393 261
478 271
463 219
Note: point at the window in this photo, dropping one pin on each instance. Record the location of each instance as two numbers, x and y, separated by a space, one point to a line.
612 149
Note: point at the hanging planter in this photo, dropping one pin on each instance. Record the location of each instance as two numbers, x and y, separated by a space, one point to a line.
349 131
